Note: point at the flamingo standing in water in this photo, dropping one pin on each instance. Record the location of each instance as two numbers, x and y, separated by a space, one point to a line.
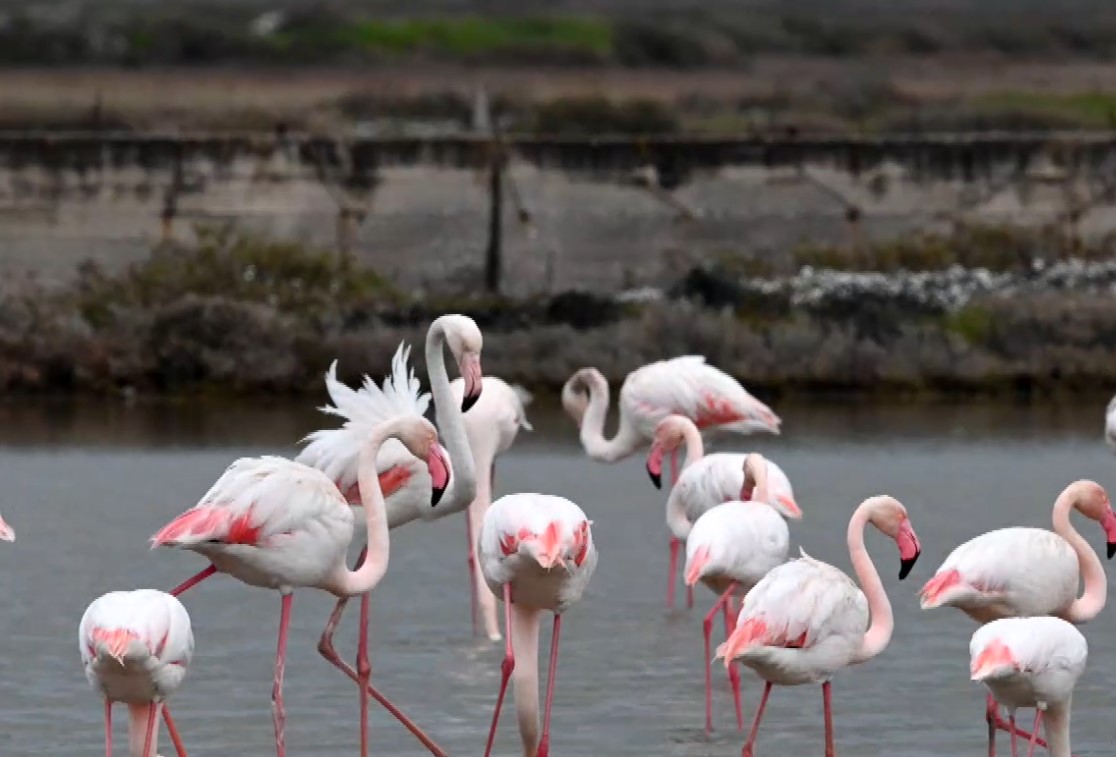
1031 662
135 646
705 481
278 524
730 549
1019 572
806 619
536 551
681 386
491 427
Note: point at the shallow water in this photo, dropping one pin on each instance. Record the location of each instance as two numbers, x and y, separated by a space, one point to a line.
85 486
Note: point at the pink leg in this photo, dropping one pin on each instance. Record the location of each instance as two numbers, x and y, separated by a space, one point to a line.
193 581
750 744
471 561
278 712
1034 733
1014 740
544 740
152 724
734 670
364 671
506 668
675 547
172 729
707 631
689 597
996 720
108 728
827 699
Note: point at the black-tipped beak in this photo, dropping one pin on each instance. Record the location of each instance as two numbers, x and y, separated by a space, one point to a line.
436 495
468 401
656 478
1111 549
906 565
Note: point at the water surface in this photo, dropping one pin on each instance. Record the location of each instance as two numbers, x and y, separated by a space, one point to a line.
85 486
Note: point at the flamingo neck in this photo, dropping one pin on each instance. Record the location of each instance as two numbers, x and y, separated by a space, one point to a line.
371 572
1056 724
677 521
451 422
878 635
138 718
627 439
695 449
755 479
1092 600
525 675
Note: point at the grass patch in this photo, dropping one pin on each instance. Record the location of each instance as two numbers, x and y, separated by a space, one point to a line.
1088 109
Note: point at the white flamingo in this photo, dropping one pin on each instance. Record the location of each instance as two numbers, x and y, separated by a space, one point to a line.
1018 572
491 426
806 619
536 552
1031 662
136 646
278 524
705 481
730 549
681 386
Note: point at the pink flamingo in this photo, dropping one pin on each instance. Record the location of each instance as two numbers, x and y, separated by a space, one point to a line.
681 386
705 481
806 619
730 549
1018 572
135 646
1031 662
536 551
7 533
491 427
278 524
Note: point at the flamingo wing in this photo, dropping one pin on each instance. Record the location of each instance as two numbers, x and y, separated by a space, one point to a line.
257 500
689 386
153 617
336 451
1035 644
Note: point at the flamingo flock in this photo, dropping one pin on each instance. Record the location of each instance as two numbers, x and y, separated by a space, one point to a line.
286 524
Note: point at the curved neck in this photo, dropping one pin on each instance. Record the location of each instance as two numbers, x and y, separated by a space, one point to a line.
878 634
451 422
1092 600
677 521
755 479
695 449
1056 724
627 439
372 570
525 675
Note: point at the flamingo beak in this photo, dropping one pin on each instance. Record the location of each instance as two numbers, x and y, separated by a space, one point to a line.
439 467
6 531
470 368
909 548
655 465
1108 522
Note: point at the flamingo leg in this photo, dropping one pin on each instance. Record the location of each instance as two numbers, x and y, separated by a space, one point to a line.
996 721
734 670
364 671
544 739
152 724
689 597
108 728
506 668
193 580
1034 733
172 729
750 744
672 571
1014 740
471 561
827 699
278 711
707 631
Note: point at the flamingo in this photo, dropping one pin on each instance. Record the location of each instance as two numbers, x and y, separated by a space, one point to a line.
1031 662
730 549
536 552
1110 424
806 619
705 481
135 646
278 524
683 385
7 533
1018 572
491 427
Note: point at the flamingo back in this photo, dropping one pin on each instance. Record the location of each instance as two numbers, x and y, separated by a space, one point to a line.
689 386
715 479
1024 661
736 541
493 423
149 630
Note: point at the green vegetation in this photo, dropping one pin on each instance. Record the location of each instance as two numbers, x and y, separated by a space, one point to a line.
1089 109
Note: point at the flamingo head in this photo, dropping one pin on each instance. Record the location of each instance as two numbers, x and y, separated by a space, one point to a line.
6 531
421 439
578 388
1092 501
465 342
670 434
890 517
